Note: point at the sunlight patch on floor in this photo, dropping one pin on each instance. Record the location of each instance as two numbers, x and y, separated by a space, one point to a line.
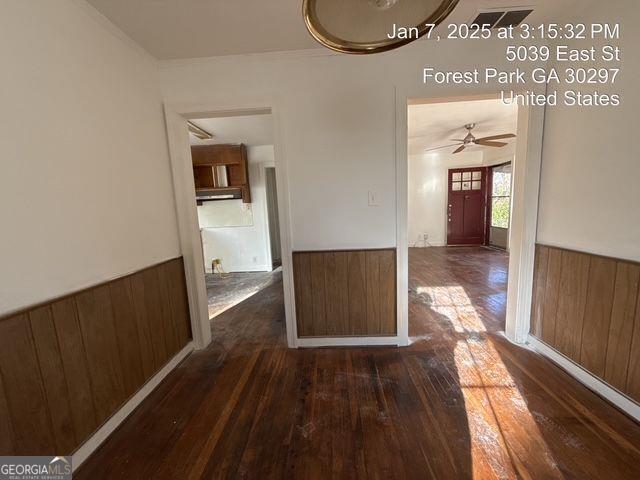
454 304
492 401
492 398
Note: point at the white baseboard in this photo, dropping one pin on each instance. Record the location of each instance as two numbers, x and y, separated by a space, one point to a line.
347 341
596 384
87 448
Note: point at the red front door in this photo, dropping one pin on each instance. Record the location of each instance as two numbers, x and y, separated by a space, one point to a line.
467 206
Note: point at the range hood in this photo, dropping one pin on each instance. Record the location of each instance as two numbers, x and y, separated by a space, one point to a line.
220 193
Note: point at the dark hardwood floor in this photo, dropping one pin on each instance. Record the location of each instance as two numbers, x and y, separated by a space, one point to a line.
461 402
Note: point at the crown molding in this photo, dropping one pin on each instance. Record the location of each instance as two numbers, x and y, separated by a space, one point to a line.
258 57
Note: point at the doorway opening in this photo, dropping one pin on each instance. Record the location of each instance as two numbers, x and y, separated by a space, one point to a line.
237 207
459 211
272 213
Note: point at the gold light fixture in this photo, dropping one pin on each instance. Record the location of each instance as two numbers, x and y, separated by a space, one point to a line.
372 26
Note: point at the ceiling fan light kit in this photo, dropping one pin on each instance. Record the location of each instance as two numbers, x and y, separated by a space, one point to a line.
366 26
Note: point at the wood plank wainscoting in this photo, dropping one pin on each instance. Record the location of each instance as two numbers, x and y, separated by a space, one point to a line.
341 293
588 308
67 365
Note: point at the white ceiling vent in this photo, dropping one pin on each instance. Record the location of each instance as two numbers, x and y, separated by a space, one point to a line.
502 17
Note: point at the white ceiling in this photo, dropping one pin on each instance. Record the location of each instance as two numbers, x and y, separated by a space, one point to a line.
436 124
171 29
252 130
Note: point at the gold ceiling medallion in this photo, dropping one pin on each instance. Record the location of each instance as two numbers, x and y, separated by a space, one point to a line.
372 26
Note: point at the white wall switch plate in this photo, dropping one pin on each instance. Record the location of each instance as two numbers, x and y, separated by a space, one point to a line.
373 199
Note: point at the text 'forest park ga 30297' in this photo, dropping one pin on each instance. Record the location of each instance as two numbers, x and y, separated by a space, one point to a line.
574 65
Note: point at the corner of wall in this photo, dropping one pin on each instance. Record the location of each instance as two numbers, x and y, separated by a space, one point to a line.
116 31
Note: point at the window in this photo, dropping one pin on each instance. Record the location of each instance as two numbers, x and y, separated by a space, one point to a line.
501 196
466 181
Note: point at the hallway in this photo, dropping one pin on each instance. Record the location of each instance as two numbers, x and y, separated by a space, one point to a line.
460 402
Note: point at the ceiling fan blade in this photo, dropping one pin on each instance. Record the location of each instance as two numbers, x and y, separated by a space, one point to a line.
490 144
497 137
461 148
444 146
457 140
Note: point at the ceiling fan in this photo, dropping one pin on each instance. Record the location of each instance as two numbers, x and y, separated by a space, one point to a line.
471 140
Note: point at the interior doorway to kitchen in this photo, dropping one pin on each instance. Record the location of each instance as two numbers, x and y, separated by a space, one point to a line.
237 206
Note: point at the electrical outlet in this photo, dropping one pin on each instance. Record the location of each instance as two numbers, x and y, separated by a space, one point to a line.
373 198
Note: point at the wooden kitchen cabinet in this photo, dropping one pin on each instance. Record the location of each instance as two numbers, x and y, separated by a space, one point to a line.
221 170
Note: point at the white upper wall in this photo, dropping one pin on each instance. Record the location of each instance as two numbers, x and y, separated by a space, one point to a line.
85 184
336 116
590 188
